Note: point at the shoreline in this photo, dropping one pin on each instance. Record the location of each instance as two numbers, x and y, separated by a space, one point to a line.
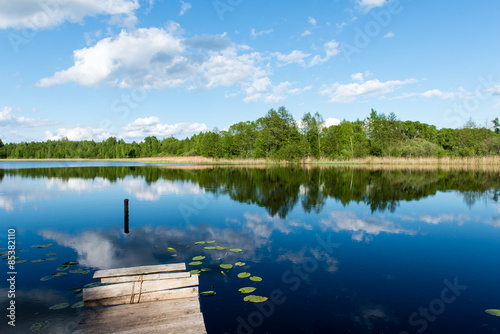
369 161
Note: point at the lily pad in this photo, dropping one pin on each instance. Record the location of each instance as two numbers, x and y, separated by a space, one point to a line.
44 246
58 274
199 242
223 273
37 260
226 266
59 306
210 242
70 263
91 285
37 326
236 250
255 299
207 293
63 268
174 255
256 279
194 272
209 247
79 271
198 258
46 278
247 289
14 258
239 264
20 261
244 275
220 248
78 304
170 249
4 253
494 312
74 290
50 254
21 250
195 263
51 259
206 269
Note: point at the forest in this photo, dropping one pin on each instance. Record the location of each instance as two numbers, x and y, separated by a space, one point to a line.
277 136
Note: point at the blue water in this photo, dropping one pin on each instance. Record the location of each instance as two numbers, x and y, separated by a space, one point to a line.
430 265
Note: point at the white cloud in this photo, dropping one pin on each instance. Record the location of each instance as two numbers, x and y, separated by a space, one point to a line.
8 118
35 14
162 58
437 93
347 93
306 33
297 91
331 49
79 133
155 191
390 34
312 21
296 56
367 5
263 90
331 121
185 6
152 126
256 34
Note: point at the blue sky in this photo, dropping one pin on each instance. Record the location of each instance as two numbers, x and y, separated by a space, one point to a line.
133 68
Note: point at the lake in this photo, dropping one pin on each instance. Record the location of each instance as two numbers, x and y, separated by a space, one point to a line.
339 250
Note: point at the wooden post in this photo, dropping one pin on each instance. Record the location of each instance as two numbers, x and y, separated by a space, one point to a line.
126 215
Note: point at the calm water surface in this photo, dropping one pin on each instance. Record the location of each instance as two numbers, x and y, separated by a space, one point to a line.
339 250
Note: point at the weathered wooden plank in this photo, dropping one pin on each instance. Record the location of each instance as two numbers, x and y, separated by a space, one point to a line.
150 277
161 268
136 288
138 315
146 297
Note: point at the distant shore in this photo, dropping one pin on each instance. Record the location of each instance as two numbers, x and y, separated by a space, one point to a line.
198 160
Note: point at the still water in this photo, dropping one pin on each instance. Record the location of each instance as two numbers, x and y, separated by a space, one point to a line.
339 250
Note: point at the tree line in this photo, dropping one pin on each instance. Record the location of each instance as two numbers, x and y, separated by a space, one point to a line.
278 136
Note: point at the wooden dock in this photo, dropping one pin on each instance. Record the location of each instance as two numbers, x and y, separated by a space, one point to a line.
146 299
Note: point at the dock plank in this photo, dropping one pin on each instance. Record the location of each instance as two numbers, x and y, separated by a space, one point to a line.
149 277
146 297
136 288
141 270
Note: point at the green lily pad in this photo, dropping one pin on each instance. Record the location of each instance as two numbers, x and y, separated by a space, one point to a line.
79 295
37 326
210 242
78 304
91 285
248 289
236 250
79 271
21 250
44 246
75 290
198 258
220 248
59 306
256 279
195 263
255 299
226 266
207 293
46 278
206 269
494 312
209 247
50 254
4 253
194 272
199 242
63 268
239 264
170 249
37 260
173 255
51 259
20 261
244 275
58 274
70 263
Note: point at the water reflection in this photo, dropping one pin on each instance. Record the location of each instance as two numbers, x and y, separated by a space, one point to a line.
279 190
